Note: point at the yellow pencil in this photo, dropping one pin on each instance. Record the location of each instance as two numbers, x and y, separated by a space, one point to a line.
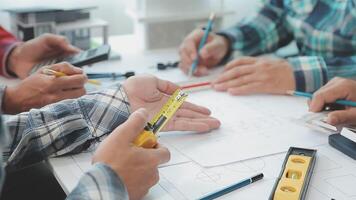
59 74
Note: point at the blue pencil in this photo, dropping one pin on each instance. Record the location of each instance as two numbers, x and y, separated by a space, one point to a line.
310 96
202 43
231 188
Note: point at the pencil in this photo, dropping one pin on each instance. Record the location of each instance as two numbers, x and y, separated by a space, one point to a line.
195 85
60 74
202 43
310 96
231 188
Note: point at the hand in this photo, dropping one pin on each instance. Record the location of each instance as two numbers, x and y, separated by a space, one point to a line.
210 55
152 93
39 89
37 50
137 167
336 89
256 75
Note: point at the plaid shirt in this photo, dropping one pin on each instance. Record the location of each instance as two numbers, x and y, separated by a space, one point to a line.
7 44
324 30
69 127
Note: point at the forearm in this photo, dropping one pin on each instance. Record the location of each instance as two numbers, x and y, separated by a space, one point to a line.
66 127
262 33
101 182
312 72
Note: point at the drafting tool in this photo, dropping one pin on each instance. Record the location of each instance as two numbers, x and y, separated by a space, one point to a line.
344 142
110 75
202 43
195 85
293 181
310 96
60 74
148 138
231 188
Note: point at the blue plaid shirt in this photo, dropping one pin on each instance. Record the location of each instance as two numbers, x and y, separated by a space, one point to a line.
324 30
68 127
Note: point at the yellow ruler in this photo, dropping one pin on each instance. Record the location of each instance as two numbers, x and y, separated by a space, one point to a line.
148 138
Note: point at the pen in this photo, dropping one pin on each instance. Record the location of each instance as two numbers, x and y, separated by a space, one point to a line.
60 74
202 43
110 75
195 85
233 187
310 96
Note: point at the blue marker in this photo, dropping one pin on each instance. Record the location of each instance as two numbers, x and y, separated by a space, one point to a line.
231 188
202 43
310 96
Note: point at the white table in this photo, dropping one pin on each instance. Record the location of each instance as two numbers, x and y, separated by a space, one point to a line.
335 173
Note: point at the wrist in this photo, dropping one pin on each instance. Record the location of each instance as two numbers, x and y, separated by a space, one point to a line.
10 103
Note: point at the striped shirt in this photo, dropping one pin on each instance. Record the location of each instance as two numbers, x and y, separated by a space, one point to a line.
68 127
324 31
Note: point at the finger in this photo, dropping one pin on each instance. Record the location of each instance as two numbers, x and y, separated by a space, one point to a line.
210 49
234 73
166 87
71 82
342 117
252 88
71 94
201 71
193 43
237 82
327 94
196 125
133 127
240 61
61 43
66 68
186 113
195 108
184 67
161 154
185 60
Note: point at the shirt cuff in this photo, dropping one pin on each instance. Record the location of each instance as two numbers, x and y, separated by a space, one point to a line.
310 72
100 182
4 70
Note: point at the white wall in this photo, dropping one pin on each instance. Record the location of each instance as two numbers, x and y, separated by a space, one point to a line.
113 11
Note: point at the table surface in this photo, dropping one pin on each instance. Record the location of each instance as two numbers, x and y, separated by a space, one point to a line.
68 171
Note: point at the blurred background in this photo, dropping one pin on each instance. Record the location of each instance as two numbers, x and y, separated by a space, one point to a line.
157 23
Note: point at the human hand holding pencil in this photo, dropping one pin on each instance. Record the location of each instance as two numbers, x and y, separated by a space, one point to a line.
40 89
203 50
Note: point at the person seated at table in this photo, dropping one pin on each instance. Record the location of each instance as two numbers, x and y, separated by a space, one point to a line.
16 61
120 170
337 88
323 30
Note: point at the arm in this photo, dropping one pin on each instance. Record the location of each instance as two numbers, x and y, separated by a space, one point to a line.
101 182
65 127
7 43
312 72
263 33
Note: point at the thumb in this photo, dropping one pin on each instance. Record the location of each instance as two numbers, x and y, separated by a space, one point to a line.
133 127
210 49
63 44
342 117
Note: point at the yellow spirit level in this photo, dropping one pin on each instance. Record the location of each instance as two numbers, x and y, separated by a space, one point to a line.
295 175
148 138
